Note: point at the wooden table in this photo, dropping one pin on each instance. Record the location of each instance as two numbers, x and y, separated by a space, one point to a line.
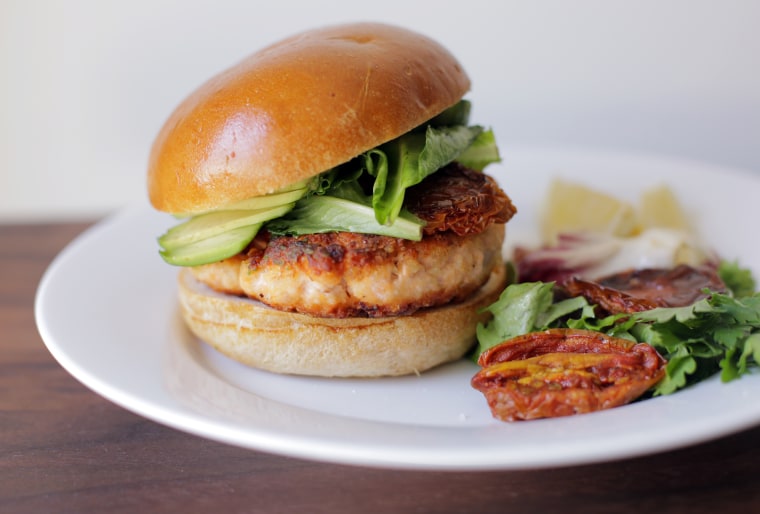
65 449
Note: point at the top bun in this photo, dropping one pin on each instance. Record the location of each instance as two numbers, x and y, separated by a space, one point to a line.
297 108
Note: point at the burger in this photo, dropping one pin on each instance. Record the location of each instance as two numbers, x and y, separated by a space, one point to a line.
334 217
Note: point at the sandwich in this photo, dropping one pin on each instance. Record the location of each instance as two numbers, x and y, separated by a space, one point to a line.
333 214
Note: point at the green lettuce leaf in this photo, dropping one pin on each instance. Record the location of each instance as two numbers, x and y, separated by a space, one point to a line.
346 209
738 280
482 152
523 308
408 160
457 114
716 334
681 365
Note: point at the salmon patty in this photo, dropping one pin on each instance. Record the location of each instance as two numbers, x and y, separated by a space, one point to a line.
343 274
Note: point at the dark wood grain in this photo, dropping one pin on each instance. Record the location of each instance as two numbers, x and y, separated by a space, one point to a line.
65 449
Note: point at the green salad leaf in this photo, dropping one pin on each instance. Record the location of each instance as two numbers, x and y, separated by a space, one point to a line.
718 334
523 308
408 160
346 209
739 280
482 152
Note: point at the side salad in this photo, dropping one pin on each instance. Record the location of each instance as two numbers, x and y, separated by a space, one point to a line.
536 321
720 333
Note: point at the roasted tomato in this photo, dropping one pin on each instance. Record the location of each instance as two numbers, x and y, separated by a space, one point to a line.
644 289
459 199
561 372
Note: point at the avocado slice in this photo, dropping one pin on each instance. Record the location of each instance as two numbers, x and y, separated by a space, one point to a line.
267 201
212 249
206 226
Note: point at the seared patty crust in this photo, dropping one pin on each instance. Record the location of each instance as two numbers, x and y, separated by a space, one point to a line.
342 274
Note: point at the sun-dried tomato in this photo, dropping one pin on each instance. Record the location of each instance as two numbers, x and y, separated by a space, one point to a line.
459 199
608 299
644 289
561 372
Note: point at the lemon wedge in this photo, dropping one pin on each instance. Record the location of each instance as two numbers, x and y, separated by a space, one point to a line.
573 207
659 207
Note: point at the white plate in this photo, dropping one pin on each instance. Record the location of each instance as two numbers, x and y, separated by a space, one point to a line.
107 311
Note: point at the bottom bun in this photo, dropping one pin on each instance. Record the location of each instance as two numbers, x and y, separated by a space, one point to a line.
285 342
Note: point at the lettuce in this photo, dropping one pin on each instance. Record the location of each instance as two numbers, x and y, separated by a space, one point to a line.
482 152
739 280
347 209
523 308
408 160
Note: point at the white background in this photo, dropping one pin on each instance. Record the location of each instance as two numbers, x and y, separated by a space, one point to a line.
86 85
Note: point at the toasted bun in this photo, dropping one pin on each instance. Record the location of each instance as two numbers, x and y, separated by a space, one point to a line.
297 108
284 342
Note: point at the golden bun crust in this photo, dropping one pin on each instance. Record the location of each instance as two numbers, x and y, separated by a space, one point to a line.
283 342
297 108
